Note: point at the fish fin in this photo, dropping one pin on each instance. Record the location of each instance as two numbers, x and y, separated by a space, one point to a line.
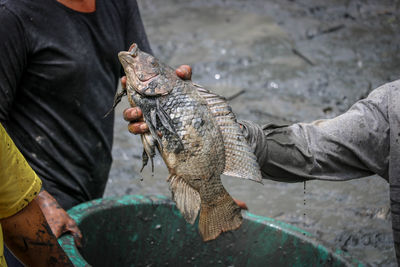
187 199
240 161
149 151
117 98
221 216
145 159
166 121
151 120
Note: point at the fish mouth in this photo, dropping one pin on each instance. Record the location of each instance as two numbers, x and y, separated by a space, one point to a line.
126 59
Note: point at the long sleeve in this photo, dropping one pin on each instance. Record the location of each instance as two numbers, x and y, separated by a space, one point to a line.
352 145
13 58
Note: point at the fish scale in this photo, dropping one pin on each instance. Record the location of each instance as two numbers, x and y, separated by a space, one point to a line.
198 137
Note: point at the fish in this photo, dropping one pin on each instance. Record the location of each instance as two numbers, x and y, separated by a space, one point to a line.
198 137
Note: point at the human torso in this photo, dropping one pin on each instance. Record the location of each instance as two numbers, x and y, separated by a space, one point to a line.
57 119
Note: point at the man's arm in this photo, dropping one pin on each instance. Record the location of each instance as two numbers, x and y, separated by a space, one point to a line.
29 237
58 219
352 145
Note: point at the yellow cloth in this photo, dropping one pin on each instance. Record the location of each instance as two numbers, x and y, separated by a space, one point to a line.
19 184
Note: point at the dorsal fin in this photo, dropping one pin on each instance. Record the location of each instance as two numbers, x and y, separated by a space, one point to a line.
240 160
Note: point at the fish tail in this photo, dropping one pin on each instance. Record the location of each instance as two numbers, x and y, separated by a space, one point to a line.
220 216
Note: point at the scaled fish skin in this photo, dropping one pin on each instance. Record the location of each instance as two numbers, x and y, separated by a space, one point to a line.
200 139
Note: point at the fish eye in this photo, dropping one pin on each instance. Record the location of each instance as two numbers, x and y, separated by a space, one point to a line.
154 63
133 53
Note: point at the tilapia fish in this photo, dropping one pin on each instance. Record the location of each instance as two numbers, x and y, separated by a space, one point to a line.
197 136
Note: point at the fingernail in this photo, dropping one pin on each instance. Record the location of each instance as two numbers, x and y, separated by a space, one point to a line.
133 113
144 127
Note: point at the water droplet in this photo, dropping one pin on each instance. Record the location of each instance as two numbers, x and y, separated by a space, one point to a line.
304 203
274 85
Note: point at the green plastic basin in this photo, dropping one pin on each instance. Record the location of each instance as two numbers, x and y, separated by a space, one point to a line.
139 230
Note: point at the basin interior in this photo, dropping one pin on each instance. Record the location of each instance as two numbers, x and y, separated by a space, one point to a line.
156 235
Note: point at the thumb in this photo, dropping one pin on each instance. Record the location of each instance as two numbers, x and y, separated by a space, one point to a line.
123 82
76 233
241 204
184 72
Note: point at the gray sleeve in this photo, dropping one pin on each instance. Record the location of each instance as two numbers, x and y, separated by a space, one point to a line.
352 145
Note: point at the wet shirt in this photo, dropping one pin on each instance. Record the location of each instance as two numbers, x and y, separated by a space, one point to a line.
19 184
59 71
363 141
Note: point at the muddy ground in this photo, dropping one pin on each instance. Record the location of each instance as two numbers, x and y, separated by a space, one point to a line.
281 61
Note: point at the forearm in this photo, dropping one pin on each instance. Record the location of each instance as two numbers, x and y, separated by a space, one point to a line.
335 149
29 237
264 147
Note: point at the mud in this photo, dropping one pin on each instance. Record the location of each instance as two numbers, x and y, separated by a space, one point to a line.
280 61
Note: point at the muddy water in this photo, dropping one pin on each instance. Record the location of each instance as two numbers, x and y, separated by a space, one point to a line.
281 61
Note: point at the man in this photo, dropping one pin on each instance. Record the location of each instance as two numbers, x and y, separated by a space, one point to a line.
363 141
23 225
58 74
59 71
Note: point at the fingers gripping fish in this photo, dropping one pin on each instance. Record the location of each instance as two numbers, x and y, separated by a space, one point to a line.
198 138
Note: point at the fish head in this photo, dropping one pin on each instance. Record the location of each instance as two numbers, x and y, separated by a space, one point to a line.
145 74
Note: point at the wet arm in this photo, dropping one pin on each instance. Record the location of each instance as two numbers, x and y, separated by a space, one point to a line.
353 145
29 237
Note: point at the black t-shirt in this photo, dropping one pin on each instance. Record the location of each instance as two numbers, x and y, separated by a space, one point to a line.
59 71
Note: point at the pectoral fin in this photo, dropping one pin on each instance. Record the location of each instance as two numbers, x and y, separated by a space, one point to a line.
149 150
187 199
117 98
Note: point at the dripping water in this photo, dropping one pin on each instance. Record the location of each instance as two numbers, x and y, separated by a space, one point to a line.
304 207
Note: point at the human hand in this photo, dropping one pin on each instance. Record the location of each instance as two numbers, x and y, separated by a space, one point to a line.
135 116
57 218
184 72
241 204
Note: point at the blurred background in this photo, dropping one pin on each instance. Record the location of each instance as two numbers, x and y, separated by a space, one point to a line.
280 61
